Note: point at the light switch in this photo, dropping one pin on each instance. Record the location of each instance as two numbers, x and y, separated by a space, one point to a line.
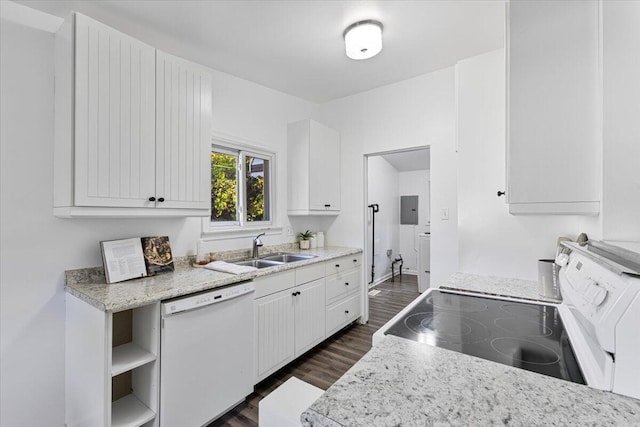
444 214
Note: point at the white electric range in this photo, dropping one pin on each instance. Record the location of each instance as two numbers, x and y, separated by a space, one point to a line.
592 337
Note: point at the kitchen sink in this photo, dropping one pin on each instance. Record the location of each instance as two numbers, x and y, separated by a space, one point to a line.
272 260
258 263
287 258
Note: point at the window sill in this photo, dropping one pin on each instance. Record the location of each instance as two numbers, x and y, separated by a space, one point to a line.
224 233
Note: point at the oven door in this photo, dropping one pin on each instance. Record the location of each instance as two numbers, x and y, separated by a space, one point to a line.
595 363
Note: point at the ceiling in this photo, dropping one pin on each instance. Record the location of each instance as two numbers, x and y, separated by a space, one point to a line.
296 46
412 160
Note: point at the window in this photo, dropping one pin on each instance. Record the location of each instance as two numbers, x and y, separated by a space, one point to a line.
240 187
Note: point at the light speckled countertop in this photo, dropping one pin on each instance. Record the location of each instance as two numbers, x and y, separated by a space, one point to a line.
89 284
406 383
498 286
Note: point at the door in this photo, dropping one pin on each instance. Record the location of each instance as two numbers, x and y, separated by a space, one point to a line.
309 308
114 117
183 134
274 340
324 168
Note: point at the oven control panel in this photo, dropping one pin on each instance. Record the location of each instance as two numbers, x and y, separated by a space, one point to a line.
598 296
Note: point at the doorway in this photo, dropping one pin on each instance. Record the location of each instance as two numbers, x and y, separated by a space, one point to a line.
398 183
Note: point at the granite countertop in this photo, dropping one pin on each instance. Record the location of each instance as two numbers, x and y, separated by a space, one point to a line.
402 382
497 286
89 284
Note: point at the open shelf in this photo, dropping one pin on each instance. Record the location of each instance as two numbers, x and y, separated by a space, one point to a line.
129 356
130 412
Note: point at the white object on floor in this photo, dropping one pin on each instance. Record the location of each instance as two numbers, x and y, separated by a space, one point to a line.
284 405
374 292
227 267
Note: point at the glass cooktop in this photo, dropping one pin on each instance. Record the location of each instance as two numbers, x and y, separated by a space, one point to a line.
524 335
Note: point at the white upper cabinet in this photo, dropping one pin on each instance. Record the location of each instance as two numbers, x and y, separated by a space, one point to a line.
183 128
114 117
133 127
313 160
554 130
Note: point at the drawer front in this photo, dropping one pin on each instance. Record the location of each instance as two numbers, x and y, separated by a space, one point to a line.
341 284
343 263
272 283
342 313
310 273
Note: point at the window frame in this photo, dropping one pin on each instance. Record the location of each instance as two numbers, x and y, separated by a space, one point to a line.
242 149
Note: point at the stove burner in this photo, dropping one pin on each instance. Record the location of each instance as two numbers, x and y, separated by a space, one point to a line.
525 310
525 351
522 328
446 327
456 303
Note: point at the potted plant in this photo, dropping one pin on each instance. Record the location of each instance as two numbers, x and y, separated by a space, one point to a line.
304 239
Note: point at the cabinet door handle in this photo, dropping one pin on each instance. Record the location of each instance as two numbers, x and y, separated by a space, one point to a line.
355 260
346 312
327 206
298 292
293 294
152 199
346 283
337 265
161 199
501 193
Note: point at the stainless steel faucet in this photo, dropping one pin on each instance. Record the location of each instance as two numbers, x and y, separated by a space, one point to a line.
256 244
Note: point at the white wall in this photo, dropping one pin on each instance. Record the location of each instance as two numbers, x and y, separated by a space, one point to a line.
414 183
382 187
492 241
37 248
621 69
411 113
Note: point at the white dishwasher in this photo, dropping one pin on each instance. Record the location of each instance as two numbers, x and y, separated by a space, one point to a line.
206 358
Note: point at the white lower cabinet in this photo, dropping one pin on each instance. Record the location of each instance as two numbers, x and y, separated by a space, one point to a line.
309 313
342 313
112 375
289 320
273 333
343 296
298 309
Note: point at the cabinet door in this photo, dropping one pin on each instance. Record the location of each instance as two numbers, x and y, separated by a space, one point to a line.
324 168
114 117
554 114
274 339
309 315
183 133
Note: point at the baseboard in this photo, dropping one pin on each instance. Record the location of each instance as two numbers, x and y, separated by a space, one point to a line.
380 280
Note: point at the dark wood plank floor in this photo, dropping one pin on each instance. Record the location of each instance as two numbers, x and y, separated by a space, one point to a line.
324 364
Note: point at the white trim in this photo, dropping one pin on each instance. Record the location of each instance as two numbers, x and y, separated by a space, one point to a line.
29 17
380 280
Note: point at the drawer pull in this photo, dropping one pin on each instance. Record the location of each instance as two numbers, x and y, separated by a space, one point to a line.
346 312
293 294
346 283
337 265
152 199
355 260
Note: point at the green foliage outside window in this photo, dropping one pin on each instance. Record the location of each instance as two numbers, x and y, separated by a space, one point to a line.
255 190
224 187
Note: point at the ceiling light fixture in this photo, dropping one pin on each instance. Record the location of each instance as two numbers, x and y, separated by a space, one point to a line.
363 39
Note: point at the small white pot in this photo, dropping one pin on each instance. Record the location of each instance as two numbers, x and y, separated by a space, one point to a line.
304 244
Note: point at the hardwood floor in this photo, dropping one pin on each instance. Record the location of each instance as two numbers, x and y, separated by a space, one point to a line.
324 364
